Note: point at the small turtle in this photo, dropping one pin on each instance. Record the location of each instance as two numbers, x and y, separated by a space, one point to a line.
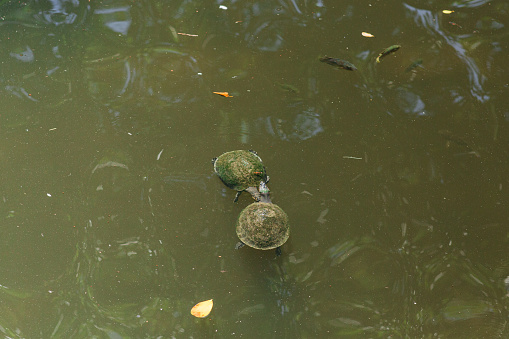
263 225
241 170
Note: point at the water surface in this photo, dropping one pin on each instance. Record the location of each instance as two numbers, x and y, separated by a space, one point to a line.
394 175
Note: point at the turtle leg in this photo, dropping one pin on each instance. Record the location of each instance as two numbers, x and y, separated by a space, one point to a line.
254 193
254 152
237 196
214 160
239 245
278 251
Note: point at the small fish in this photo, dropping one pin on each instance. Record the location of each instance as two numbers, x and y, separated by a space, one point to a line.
414 65
110 164
455 24
288 88
454 138
339 63
449 136
387 51
188 179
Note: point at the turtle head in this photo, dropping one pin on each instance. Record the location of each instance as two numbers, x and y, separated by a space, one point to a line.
264 192
263 188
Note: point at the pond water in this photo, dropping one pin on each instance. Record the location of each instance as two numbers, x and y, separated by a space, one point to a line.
394 175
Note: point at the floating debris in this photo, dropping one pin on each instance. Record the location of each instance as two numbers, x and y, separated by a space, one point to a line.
224 94
202 309
187 34
367 35
387 51
446 11
159 155
339 63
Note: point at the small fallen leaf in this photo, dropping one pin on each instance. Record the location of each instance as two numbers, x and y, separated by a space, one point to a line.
446 11
225 94
367 35
202 309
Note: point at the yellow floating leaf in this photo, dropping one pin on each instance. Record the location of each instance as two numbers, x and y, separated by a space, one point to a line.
202 309
446 11
225 94
367 35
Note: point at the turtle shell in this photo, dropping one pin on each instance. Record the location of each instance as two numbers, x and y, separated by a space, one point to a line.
240 169
263 226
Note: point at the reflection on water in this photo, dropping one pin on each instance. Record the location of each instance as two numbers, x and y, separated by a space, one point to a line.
393 175
306 125
431 22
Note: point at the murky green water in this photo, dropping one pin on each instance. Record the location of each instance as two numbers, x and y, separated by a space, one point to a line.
394 176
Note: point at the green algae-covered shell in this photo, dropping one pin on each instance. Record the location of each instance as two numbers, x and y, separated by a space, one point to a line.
263 226
240 169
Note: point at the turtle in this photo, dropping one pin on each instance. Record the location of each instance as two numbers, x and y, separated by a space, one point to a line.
263 225
241 170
